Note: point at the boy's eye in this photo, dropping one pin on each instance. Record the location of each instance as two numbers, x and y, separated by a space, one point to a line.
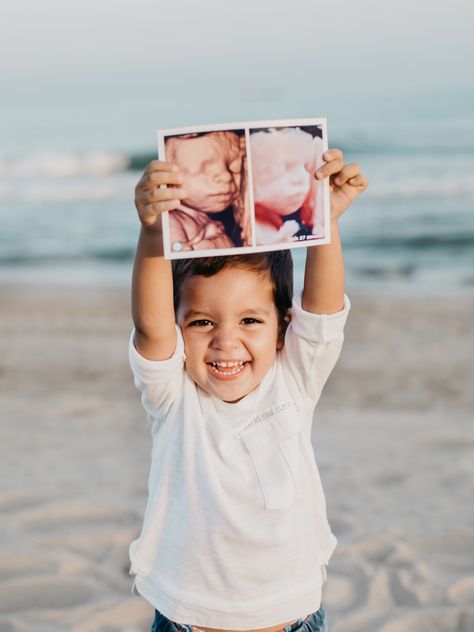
202 322
250 321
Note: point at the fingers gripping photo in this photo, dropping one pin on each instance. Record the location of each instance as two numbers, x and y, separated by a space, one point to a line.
247 187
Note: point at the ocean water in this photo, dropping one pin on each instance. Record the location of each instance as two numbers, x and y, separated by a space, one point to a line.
68 172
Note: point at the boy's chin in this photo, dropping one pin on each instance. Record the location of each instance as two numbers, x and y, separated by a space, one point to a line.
227 390
233 401
231 395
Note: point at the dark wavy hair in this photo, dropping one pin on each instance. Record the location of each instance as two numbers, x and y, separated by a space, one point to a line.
278 265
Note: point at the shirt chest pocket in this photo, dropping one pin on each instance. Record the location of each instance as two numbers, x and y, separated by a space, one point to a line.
274 448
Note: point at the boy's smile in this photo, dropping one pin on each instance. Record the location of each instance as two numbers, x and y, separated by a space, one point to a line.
231 330
227 370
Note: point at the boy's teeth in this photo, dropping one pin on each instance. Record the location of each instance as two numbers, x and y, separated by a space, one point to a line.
227 364
235 367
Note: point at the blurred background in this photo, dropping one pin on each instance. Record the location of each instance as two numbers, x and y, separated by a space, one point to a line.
85 87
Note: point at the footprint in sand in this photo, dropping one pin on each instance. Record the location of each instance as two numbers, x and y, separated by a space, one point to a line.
107 548
24 594
443 444
363 620
19 500
77 514
453 550
340 593
388 478
466 622
345 588
412 579
381 593
437 620
462 591
133 615
375 550
17 566
340 523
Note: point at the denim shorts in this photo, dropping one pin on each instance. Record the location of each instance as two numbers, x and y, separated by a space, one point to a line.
315 622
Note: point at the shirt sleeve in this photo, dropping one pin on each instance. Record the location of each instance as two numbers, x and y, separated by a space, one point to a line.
159 381
312 346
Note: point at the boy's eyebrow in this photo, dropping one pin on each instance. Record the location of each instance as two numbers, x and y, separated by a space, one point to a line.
255 312
193 313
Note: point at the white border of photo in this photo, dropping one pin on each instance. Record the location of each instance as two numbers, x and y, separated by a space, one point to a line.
322 188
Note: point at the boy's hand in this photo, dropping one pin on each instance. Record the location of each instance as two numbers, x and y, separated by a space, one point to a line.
346 182
151 199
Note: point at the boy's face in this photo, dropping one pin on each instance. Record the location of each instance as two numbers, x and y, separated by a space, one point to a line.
230 327
211 166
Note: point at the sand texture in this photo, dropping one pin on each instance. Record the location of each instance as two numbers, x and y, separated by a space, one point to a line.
393 436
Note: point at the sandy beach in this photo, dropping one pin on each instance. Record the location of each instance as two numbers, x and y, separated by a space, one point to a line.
393 436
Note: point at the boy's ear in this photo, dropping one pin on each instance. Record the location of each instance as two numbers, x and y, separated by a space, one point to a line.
282 330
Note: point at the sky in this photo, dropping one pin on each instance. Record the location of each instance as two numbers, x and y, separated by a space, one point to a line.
259 41
172 62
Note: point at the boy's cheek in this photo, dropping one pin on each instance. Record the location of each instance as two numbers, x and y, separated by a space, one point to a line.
193 372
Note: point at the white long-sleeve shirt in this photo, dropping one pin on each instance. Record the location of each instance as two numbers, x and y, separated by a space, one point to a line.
235 533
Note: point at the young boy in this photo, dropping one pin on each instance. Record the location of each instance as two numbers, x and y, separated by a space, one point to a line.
235 534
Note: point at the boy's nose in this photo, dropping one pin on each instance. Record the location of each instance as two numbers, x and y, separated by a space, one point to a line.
225 339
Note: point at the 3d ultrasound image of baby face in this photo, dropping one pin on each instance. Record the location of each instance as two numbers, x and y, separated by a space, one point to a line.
283 163
211 165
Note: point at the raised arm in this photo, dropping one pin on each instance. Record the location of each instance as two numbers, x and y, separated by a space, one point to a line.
152 282
323 291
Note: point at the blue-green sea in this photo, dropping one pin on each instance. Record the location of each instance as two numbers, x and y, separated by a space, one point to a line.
69 164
